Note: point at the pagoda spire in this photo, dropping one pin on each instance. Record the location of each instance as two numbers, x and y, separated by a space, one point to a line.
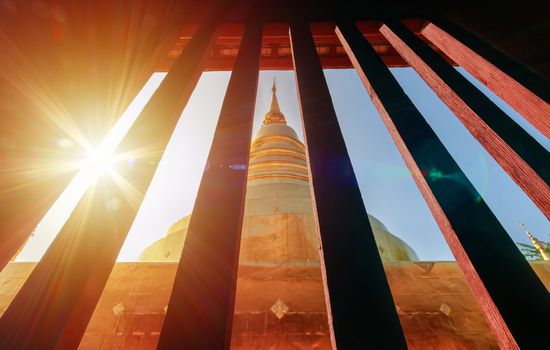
538 245
274 115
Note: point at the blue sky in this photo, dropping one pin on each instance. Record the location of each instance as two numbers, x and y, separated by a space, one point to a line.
387 188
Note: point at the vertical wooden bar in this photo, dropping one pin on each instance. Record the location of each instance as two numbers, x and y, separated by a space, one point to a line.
523 90
525 160
201 307
361 309
55 304
24 200
511 296
23 204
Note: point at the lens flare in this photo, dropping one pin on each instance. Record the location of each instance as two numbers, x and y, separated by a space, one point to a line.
99 162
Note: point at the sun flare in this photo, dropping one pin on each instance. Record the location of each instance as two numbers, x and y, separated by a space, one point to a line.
99 162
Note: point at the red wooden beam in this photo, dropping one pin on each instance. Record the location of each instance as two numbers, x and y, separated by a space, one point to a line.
526 161
362 314
276 37
484 251
533 107
201 307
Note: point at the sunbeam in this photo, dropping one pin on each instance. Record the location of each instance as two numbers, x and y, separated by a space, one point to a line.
99 162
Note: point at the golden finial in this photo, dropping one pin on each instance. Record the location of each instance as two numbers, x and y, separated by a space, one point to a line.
274 115
538 245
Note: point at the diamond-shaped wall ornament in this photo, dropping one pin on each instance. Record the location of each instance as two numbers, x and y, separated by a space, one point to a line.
279 309
446 309
118 309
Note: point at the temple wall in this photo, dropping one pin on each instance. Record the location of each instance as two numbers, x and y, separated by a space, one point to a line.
434 305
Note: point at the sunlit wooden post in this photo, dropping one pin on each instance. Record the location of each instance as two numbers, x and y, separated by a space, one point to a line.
26 196
55 304
201 307
525 160
361 309
23 207
486 254
523 90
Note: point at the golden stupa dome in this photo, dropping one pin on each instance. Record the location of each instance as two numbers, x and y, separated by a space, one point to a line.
278 206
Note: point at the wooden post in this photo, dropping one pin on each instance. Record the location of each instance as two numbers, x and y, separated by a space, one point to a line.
362 314
28 194
506 78
55 304
497 273
525 160
201 307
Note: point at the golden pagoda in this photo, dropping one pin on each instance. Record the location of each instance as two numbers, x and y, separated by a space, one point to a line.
278 220
279 283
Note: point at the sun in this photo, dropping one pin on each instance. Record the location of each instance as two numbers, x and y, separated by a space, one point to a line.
99 162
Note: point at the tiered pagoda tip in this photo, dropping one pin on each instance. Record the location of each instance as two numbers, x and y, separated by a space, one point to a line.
274 115
538 245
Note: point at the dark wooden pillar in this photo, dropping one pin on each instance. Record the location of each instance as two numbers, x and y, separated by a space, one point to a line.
55 304
522 89
525 160
201 307
513 299
361 309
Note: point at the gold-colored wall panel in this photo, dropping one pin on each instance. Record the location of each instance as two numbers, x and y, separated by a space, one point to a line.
419 288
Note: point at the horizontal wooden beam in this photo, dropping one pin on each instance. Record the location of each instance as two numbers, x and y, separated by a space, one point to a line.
276 46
